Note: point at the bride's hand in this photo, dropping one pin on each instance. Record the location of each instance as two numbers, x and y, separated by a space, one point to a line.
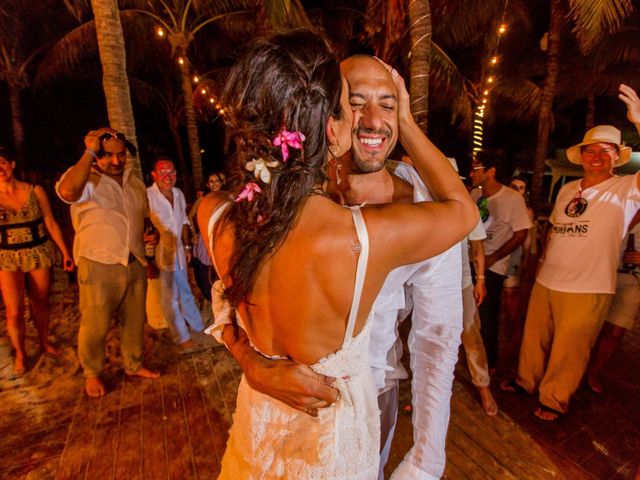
404 99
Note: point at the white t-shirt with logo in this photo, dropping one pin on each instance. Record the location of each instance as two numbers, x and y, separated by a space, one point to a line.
507 214
585 243
477 233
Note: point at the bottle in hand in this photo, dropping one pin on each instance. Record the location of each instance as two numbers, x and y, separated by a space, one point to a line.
149 231
631 247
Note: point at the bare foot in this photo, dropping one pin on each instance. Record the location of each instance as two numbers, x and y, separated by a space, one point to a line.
94 387
51 349
19 365
143 372
547 414
488 402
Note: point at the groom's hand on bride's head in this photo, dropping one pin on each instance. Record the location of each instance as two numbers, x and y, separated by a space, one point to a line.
291 383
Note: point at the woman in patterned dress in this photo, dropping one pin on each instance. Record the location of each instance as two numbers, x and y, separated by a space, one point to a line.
26 253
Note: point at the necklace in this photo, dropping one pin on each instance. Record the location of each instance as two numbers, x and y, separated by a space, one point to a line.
577 205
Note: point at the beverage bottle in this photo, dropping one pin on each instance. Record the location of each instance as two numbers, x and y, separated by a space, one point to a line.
149 230
631 247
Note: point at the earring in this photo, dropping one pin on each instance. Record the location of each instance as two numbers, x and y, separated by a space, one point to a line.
337 167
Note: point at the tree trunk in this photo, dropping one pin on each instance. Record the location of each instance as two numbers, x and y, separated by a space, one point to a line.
591 112
17 123
114 71
546 105
174 126
420 33
190 119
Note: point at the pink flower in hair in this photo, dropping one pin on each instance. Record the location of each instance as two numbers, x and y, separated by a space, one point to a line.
248 192
286 139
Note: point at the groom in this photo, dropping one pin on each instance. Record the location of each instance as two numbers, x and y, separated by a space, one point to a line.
432 288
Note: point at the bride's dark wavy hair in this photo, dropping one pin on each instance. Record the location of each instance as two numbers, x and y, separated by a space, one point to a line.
289 81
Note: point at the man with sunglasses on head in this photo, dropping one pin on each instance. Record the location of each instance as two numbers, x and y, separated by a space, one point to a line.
169 215
108 208
576 280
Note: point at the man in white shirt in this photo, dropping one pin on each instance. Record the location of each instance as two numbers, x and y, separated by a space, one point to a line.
432 286
577 279
168 210
506 221
108 207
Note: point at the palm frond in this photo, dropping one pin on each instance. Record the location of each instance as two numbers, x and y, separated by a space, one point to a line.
462 23
286 13
594 18
522 97
450 87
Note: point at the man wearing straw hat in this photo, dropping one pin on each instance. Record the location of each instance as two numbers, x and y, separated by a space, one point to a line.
577 277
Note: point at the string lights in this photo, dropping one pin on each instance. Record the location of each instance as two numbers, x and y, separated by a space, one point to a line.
205 100
487 79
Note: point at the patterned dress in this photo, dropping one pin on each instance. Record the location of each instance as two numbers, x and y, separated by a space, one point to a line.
24 243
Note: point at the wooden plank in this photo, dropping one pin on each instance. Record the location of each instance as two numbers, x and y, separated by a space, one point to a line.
38 447
155 462
104 458
460 464
484 463
74 460
500 438
129 447
181 464
200 435
217 425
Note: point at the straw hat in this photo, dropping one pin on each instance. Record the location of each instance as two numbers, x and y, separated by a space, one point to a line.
601 134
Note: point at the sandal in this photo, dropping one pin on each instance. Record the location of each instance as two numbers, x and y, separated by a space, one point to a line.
542 409
511 386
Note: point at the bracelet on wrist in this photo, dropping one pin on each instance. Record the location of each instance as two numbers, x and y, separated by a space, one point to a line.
480 277
91 152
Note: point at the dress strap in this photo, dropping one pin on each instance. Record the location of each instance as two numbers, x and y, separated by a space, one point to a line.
361 270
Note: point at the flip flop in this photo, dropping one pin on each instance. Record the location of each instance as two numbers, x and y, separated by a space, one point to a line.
511 386
545 409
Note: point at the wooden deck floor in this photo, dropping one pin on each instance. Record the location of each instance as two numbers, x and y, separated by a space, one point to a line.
175 427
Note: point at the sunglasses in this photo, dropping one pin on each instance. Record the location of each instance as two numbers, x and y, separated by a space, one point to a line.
120 137
110 135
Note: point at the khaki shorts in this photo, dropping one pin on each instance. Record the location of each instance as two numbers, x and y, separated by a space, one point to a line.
626 302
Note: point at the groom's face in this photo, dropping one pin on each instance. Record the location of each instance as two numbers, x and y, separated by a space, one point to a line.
373 99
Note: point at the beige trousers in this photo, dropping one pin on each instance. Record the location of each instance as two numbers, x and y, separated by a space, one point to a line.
472 340
560 329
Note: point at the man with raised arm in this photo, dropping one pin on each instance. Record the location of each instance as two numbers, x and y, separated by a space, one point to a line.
108 207
577 277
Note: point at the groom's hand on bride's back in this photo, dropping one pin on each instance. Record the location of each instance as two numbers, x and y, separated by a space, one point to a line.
285 380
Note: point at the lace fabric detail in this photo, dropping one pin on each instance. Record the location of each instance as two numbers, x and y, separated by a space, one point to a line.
270 440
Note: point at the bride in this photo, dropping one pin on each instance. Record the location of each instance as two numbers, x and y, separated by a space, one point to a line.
303 271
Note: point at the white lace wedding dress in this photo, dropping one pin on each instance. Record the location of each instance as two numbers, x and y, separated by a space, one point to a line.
269 440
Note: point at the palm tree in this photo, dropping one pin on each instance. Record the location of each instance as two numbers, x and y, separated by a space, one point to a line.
180 21
114 70
420 34
20 47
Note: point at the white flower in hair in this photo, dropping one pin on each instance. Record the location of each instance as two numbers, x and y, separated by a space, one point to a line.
260 168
